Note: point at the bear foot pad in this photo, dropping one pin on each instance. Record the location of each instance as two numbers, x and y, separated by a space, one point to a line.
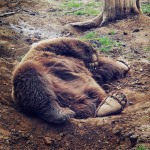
124 63
114 104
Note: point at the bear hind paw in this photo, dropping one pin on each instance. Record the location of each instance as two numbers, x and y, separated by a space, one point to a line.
112 105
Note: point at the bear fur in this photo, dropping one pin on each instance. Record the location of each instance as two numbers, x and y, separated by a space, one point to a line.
61 78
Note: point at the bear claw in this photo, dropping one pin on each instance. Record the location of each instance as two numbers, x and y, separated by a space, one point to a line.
112 105
63 115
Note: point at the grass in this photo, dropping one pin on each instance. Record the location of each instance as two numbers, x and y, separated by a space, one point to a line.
104 43
141 148
89 36
146 8
77 7
147 48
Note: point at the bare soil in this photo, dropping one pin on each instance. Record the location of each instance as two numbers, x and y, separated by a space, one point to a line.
36 20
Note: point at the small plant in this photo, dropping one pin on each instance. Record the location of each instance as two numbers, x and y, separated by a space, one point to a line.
90 36
147 48
71 4
141 148
104 43
86 12
146 8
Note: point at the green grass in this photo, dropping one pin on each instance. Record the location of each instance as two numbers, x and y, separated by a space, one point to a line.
147 48
146 8
90 36
79 8
104 43
141 148
71 4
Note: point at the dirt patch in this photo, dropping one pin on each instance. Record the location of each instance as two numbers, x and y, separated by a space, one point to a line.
34 21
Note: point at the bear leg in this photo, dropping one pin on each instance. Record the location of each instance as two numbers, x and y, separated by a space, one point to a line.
34 94
109 69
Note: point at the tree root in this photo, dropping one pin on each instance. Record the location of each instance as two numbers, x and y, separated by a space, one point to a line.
95 22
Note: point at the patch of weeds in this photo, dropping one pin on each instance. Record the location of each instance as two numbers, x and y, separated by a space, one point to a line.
106 43
79 8
146 8
103 43
141 148
85 12
71 4
90 36
147 49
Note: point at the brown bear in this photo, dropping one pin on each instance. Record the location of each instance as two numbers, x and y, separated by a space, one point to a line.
61 78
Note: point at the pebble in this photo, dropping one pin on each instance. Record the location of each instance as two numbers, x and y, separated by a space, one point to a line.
48 140
141 69
130 102
125 33
136 30
123 45
118 132
129 134
133 140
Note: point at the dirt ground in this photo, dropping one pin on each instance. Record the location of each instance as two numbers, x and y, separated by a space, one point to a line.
33 21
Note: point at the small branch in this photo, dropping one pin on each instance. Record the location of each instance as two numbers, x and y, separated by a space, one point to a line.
67 34
7 14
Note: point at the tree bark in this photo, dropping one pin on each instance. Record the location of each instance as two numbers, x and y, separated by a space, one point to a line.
113 9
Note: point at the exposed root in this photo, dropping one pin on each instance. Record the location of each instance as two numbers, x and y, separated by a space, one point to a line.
95 22
112 10
138 3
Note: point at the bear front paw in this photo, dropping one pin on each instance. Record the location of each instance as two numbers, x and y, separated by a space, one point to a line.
63 116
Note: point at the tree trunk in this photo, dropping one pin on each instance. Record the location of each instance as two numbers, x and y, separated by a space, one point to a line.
113 9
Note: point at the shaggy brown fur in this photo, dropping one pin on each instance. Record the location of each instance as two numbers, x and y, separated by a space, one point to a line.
56 80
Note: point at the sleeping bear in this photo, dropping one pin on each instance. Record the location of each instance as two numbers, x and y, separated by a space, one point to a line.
61 78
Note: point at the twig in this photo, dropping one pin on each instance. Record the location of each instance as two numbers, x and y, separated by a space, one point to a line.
7 14
67 34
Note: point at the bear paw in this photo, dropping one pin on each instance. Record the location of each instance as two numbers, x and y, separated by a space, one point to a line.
63 116
112 105
124 64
